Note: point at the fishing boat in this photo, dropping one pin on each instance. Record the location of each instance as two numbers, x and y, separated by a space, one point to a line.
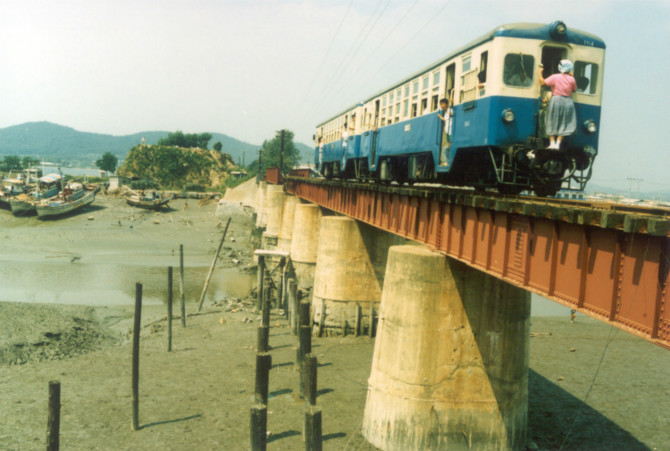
148 200
11 186
71 198
46 187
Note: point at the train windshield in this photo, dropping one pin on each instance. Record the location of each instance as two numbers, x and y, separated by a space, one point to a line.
518 70
586 76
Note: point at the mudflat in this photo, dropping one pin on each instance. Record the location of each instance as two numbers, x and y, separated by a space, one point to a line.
590 386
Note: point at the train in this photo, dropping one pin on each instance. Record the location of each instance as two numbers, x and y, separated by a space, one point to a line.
493 135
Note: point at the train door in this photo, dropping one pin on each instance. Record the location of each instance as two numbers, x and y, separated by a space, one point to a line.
551 56
373 149
450 80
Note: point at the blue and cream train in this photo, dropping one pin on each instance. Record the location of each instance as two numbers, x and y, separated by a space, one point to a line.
496 137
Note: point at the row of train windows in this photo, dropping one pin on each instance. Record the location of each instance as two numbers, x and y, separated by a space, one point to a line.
518 71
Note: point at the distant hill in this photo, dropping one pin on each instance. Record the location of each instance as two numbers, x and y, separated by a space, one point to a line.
70 147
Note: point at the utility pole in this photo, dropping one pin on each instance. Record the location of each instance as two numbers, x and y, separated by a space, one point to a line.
630 186
260 165
281 154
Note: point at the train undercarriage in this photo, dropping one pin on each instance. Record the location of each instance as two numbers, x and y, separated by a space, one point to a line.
510 170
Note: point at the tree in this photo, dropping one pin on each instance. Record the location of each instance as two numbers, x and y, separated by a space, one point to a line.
179 139
11 163
218 146
271 151
27 162
107 162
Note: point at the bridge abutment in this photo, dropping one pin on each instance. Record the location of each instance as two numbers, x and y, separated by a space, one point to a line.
450 365
304 242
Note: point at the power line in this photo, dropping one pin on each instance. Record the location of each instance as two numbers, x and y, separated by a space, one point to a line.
323 61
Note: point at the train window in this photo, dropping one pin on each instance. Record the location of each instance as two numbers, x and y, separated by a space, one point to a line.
586 76
407 90
397 94
405 108
433 103
467 63
483 63
384 101
426 81
391 98
414 108
518 70
436 78
415 87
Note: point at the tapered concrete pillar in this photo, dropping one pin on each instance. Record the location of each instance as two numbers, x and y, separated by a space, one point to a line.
261 216
345 285
450 365
274 203
287 222
305 242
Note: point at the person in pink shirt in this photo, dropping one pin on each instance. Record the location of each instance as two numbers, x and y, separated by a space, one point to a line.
561 117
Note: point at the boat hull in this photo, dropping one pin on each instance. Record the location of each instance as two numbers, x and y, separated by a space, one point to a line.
55 210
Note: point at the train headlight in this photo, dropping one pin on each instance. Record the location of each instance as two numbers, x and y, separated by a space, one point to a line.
590 126
507 115
558 30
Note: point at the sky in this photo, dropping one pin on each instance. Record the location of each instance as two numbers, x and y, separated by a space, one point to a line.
248 68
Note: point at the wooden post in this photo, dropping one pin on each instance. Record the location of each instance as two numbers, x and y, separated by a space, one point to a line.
303 314
263 339
181 285
357 325
211 268
265 312
136 356
304 348
53 420
313 429
281 295
323 317
259 425
291 288
169 309
372 320
263 365
260 280
310 379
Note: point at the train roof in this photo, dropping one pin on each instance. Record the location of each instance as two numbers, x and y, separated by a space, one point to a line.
515 30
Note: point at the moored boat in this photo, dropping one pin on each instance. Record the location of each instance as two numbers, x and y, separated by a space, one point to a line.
71 199
148 201
25 204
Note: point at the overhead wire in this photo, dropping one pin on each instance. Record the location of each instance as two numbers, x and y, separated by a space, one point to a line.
327 92
298 110
383 41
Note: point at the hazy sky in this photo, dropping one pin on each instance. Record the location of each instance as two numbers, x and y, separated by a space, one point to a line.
247 68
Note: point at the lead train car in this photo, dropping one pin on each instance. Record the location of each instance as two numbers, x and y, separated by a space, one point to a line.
496 138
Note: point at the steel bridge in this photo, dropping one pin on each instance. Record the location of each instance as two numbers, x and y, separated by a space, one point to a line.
608 261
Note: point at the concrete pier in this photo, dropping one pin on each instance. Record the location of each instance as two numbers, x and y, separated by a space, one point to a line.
305 242
450 365
261 194
274 203
287 223
345 284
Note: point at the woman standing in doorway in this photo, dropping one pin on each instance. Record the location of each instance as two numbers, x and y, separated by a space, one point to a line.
561 116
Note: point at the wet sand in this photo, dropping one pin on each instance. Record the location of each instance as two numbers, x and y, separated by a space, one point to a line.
591 386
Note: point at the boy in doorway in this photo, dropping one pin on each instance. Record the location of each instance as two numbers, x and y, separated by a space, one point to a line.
445 114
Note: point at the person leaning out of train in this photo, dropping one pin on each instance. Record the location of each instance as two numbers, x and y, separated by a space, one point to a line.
445 114
561 118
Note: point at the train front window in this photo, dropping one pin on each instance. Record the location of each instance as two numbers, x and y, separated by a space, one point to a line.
586 76
518 70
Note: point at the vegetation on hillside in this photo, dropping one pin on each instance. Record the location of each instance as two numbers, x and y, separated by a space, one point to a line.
176 167
271 151
16 163
179 139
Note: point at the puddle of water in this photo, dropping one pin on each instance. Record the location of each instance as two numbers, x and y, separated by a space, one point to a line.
105 284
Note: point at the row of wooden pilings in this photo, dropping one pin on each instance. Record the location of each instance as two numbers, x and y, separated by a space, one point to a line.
450 362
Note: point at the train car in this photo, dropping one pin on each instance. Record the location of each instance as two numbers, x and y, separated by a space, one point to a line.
493 133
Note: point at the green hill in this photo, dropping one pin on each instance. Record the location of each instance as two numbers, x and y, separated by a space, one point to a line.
70 147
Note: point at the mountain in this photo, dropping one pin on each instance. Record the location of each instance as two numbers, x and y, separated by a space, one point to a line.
70 147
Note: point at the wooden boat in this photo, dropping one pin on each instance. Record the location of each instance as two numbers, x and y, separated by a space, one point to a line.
24 204
66 202
150 201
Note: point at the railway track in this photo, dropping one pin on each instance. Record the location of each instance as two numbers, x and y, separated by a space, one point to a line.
653 221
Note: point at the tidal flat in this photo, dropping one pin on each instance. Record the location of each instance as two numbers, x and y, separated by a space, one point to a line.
66 298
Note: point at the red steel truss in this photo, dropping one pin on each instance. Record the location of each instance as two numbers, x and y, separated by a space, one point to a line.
610 265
